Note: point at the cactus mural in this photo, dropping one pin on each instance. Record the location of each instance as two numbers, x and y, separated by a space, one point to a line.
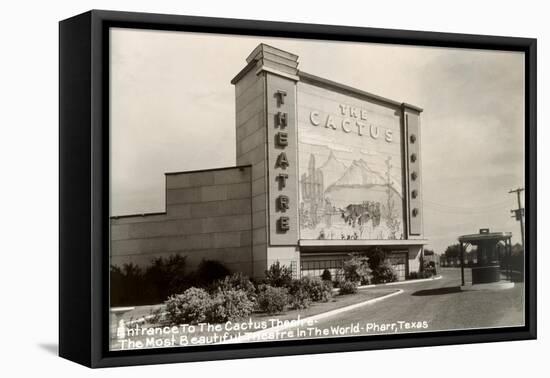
350 201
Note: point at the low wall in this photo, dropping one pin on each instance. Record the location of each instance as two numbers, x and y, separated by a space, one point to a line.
208 216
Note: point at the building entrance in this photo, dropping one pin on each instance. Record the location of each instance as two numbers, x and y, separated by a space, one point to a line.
398 261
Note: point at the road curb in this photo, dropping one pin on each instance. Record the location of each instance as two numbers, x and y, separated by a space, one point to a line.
257 335
143 319
403 282
337 290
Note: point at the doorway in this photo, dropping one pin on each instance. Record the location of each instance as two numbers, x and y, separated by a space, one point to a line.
399 262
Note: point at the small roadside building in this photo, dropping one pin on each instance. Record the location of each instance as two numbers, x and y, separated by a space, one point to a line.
491 250
323 170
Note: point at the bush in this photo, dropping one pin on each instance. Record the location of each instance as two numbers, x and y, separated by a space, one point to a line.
236 281
299 297
356 269
134 286
318 290
196 305
165 277
127 284
191 307
339 277
326 276
348 287
421 274
230 304
278 275
210 271
384 273
429 268
376 257
272 300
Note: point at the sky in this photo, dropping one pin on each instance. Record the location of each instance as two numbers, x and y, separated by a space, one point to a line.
173 109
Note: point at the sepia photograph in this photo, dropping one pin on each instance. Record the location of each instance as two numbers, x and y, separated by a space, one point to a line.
270 189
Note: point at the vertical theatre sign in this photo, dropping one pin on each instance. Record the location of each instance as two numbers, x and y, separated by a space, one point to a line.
281 141
281 126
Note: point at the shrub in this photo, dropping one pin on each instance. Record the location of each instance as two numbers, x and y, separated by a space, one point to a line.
326 276
421 274
165 277
299 297
272 300
318 290
278 275
210 271
339 277
348 287
127 284
376 257
429 268
236 281
384 273
132 285
357 269
191 307
231 304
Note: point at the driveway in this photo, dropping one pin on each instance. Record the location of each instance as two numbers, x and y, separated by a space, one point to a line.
434 305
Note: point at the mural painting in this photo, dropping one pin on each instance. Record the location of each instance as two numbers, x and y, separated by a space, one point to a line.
350 179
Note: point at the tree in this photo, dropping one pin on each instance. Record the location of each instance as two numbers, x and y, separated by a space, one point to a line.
452 251
356 269
517 250
428 252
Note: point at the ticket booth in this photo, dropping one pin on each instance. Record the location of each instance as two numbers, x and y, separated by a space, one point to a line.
488 265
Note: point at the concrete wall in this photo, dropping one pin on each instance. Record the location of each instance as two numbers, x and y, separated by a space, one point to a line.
415 254
251 149
286 255
208 216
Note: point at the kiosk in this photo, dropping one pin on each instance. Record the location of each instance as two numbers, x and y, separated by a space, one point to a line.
487 267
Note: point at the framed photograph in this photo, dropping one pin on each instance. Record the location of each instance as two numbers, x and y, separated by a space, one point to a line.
235 188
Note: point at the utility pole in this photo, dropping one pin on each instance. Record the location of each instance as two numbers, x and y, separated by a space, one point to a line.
518 214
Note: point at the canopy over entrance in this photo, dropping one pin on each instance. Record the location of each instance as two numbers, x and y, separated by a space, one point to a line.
487 266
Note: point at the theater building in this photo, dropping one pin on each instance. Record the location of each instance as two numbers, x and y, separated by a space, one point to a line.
323 170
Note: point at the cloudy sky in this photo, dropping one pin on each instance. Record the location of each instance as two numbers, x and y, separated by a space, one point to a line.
172 109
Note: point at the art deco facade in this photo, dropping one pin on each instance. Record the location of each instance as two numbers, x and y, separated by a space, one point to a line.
323 170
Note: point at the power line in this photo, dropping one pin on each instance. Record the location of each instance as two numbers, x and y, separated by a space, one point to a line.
458 212
466 211
519 213
497 204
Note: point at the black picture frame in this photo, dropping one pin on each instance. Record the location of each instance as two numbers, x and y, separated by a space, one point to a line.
84 186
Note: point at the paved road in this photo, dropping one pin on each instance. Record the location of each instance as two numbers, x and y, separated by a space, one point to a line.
440 304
